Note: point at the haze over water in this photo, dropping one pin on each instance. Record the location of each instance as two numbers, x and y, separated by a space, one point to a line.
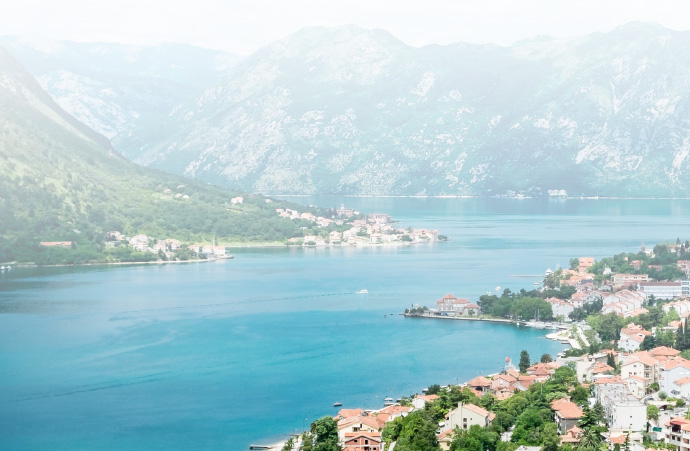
223 354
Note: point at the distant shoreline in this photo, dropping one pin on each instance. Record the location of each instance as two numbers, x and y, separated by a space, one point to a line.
157 262
451 196
229 257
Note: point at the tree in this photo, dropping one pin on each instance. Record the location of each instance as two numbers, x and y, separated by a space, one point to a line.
325 431
433 389
648 343
579 395
418 433
289 444
611 361
672 315
307 442
652 412
546 358
550 440
590 441
524 361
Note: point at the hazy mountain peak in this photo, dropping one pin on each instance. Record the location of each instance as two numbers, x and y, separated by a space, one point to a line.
355 111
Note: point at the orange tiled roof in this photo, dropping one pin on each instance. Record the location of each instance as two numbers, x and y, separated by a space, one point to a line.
427 398
618 440
479 381
348 413
566 409
394 410
664 351
601 368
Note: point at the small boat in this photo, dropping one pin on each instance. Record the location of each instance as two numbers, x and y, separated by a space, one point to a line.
363 291
498 288
259 447
337 404
388 402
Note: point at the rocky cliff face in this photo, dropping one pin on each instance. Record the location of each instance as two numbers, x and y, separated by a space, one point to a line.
353 111
121 91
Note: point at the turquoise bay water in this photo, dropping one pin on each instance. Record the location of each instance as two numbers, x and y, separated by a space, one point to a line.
224 354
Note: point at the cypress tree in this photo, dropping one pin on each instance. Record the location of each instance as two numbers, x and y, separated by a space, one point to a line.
680 338
686 337
610 361
524 361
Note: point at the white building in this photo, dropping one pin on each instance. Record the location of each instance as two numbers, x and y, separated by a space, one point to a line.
622 410
560 307
665 290
674 377
420 401
632 337
467 415
625 303
586 364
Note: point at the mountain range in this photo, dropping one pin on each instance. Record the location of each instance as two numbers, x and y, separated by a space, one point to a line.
346 110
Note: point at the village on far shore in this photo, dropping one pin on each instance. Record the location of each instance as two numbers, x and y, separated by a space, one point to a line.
348 227
623 384
345 228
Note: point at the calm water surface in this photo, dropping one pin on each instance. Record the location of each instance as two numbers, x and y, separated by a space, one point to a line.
220 355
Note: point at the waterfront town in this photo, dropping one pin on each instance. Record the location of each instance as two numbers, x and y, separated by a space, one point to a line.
623 383
348 227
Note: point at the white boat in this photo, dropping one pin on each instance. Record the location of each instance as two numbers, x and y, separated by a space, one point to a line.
497 288
337 404
363 291
388 402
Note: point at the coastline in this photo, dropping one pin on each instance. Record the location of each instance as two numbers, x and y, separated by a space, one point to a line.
157 262
452 196
553 335
228 257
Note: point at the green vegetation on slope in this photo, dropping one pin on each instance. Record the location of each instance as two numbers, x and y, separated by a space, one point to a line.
60 181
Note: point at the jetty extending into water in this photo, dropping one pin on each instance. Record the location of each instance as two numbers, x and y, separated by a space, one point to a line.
563 334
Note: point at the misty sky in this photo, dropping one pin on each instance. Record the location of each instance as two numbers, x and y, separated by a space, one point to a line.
243 26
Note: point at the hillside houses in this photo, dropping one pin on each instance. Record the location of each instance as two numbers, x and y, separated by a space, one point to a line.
167 248
632 337
624 303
